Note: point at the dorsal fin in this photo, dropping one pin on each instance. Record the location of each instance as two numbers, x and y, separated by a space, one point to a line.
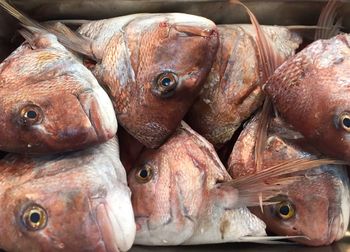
71 40
272 181
327 20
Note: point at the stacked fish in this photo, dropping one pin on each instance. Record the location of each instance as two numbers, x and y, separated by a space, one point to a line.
63 94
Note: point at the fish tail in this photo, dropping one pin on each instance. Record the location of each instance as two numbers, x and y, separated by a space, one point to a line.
71 40
270 182
328 21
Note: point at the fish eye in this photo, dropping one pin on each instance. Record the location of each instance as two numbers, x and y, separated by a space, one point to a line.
31 114
144 174
344 121
34 217
285 210
166 84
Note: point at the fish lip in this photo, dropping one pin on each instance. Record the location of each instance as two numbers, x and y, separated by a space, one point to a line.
103 126
106 228
194 30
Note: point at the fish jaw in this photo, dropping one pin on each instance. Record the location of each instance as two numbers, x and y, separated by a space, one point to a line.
227 225
115 219
171 233
98 107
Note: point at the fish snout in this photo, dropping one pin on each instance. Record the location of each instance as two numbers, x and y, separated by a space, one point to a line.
116 222
99 110
193 25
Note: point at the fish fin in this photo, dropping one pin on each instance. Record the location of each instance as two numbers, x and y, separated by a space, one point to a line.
304 27
270 59
328 20
69 21
271 239
272 181
71 40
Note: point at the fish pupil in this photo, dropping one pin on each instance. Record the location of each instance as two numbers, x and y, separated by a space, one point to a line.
346 122
284 210
143 173
166 82
35 217
31 114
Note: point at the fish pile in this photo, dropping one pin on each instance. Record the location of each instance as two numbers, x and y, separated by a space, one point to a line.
167 129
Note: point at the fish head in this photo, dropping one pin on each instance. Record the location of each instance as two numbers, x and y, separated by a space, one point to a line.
159 65
66 212
50 101
310 92
316 207
170 188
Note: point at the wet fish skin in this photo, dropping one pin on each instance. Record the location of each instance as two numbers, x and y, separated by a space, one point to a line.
310 92
71 111
320 199
84 195
134 53
232 91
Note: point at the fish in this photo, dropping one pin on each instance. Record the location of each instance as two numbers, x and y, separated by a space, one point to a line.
317 206
183 195
312 86
153 66
232 91
50 102
310 91
78 201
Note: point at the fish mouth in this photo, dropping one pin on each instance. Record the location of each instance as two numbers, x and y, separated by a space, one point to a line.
193 25
115 219
112 234
99 110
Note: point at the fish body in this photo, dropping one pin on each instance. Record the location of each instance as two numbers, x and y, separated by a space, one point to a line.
310 92
316 206
50 102
71 202
153 66
232 91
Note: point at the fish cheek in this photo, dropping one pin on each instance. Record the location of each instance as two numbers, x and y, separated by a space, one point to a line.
70 223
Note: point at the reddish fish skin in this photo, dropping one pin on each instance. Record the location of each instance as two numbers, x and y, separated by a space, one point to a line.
311 92
69 109
134 52
79 193
232 91
321 206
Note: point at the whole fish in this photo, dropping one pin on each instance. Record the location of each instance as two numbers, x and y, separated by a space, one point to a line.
182 194
232 91
50 102
310 92
71 202
317 206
